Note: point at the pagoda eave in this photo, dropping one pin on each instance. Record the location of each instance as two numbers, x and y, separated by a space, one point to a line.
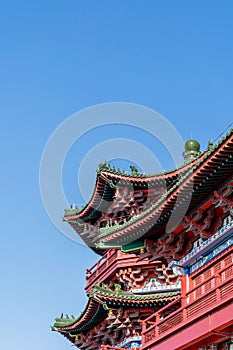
202 180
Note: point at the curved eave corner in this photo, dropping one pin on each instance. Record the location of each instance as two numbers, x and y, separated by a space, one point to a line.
107 175
93 312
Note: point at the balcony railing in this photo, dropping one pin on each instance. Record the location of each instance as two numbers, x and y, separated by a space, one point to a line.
108 264
101 265
205 295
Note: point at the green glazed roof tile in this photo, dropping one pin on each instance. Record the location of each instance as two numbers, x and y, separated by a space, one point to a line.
119 294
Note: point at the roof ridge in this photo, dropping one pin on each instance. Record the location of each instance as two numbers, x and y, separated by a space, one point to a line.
106 291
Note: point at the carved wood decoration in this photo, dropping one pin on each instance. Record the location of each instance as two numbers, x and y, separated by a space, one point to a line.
116 326
127 203
200 229
168 247
164 274
198 224
221 198
172 246
131 277
137 278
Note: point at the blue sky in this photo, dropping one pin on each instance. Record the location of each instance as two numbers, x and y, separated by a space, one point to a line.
58 58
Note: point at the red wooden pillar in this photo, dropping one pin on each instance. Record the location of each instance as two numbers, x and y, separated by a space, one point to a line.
183 290
218 282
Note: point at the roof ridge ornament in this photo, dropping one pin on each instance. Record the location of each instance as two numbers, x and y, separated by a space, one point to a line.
192 151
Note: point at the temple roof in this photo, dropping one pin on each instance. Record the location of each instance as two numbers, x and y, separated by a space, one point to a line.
108 178
103 298
93 312
191 182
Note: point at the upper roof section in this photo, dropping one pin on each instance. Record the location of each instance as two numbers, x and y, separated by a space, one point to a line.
123 204
108 176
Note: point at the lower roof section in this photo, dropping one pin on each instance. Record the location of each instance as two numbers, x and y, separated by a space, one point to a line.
102 299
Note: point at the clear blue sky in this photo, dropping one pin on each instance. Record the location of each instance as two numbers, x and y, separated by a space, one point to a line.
59 57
